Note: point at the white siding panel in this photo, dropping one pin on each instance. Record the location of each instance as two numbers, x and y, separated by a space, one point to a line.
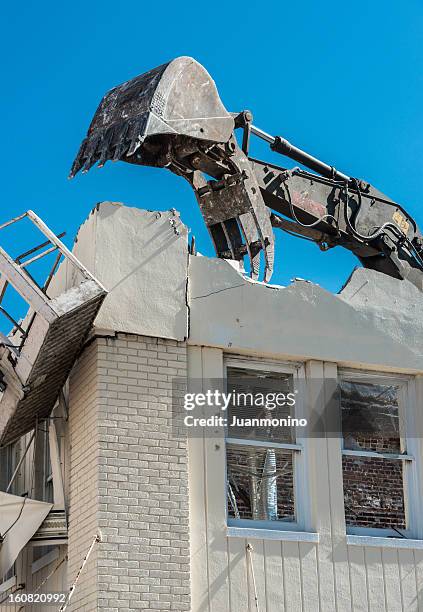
336 501
197 500
391 579
292 576
274 576
320 488
309 576
375 583
238 573
258 563
408 580
358 577
215 460
418 555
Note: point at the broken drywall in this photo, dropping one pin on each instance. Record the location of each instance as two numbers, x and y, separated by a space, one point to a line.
304 321
141 257
391 306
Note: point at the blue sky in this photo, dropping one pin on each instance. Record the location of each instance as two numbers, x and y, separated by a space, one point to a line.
342 80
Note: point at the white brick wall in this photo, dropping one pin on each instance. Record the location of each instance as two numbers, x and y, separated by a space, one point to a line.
83 485
137 490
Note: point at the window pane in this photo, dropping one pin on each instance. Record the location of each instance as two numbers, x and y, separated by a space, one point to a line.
370 417
373 487
260 483
7 466
40 551
373 492
260 395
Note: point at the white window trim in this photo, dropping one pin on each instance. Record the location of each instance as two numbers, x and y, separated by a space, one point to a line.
264 444
376 455
272 534
412 469
301 492
379 532
267 365
381 542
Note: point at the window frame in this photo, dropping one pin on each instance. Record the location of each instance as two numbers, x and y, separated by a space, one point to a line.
47 476
299 448
10 456
410 446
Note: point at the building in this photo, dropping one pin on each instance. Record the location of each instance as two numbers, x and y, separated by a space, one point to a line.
189 520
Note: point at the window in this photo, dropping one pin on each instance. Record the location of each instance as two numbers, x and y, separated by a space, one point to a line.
376 461
43 482
264 462
47 475
42 556
9 457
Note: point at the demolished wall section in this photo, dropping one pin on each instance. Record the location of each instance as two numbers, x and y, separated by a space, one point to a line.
374 326
141 257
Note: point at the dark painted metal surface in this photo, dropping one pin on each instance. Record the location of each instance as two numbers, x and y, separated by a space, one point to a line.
172 117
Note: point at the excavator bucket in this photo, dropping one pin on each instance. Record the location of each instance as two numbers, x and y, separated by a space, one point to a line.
172 117
176 99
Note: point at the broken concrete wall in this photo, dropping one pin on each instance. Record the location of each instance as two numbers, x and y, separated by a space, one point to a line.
389 307
376 321
141 257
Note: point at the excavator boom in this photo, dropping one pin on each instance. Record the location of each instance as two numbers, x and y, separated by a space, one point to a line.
172 117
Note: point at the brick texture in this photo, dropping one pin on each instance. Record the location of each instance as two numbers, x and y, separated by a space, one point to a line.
83 477
134 485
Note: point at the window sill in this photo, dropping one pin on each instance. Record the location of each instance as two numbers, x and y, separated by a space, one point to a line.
272 534
381 542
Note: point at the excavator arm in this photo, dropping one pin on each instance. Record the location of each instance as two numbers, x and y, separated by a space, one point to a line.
172 117
353 215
